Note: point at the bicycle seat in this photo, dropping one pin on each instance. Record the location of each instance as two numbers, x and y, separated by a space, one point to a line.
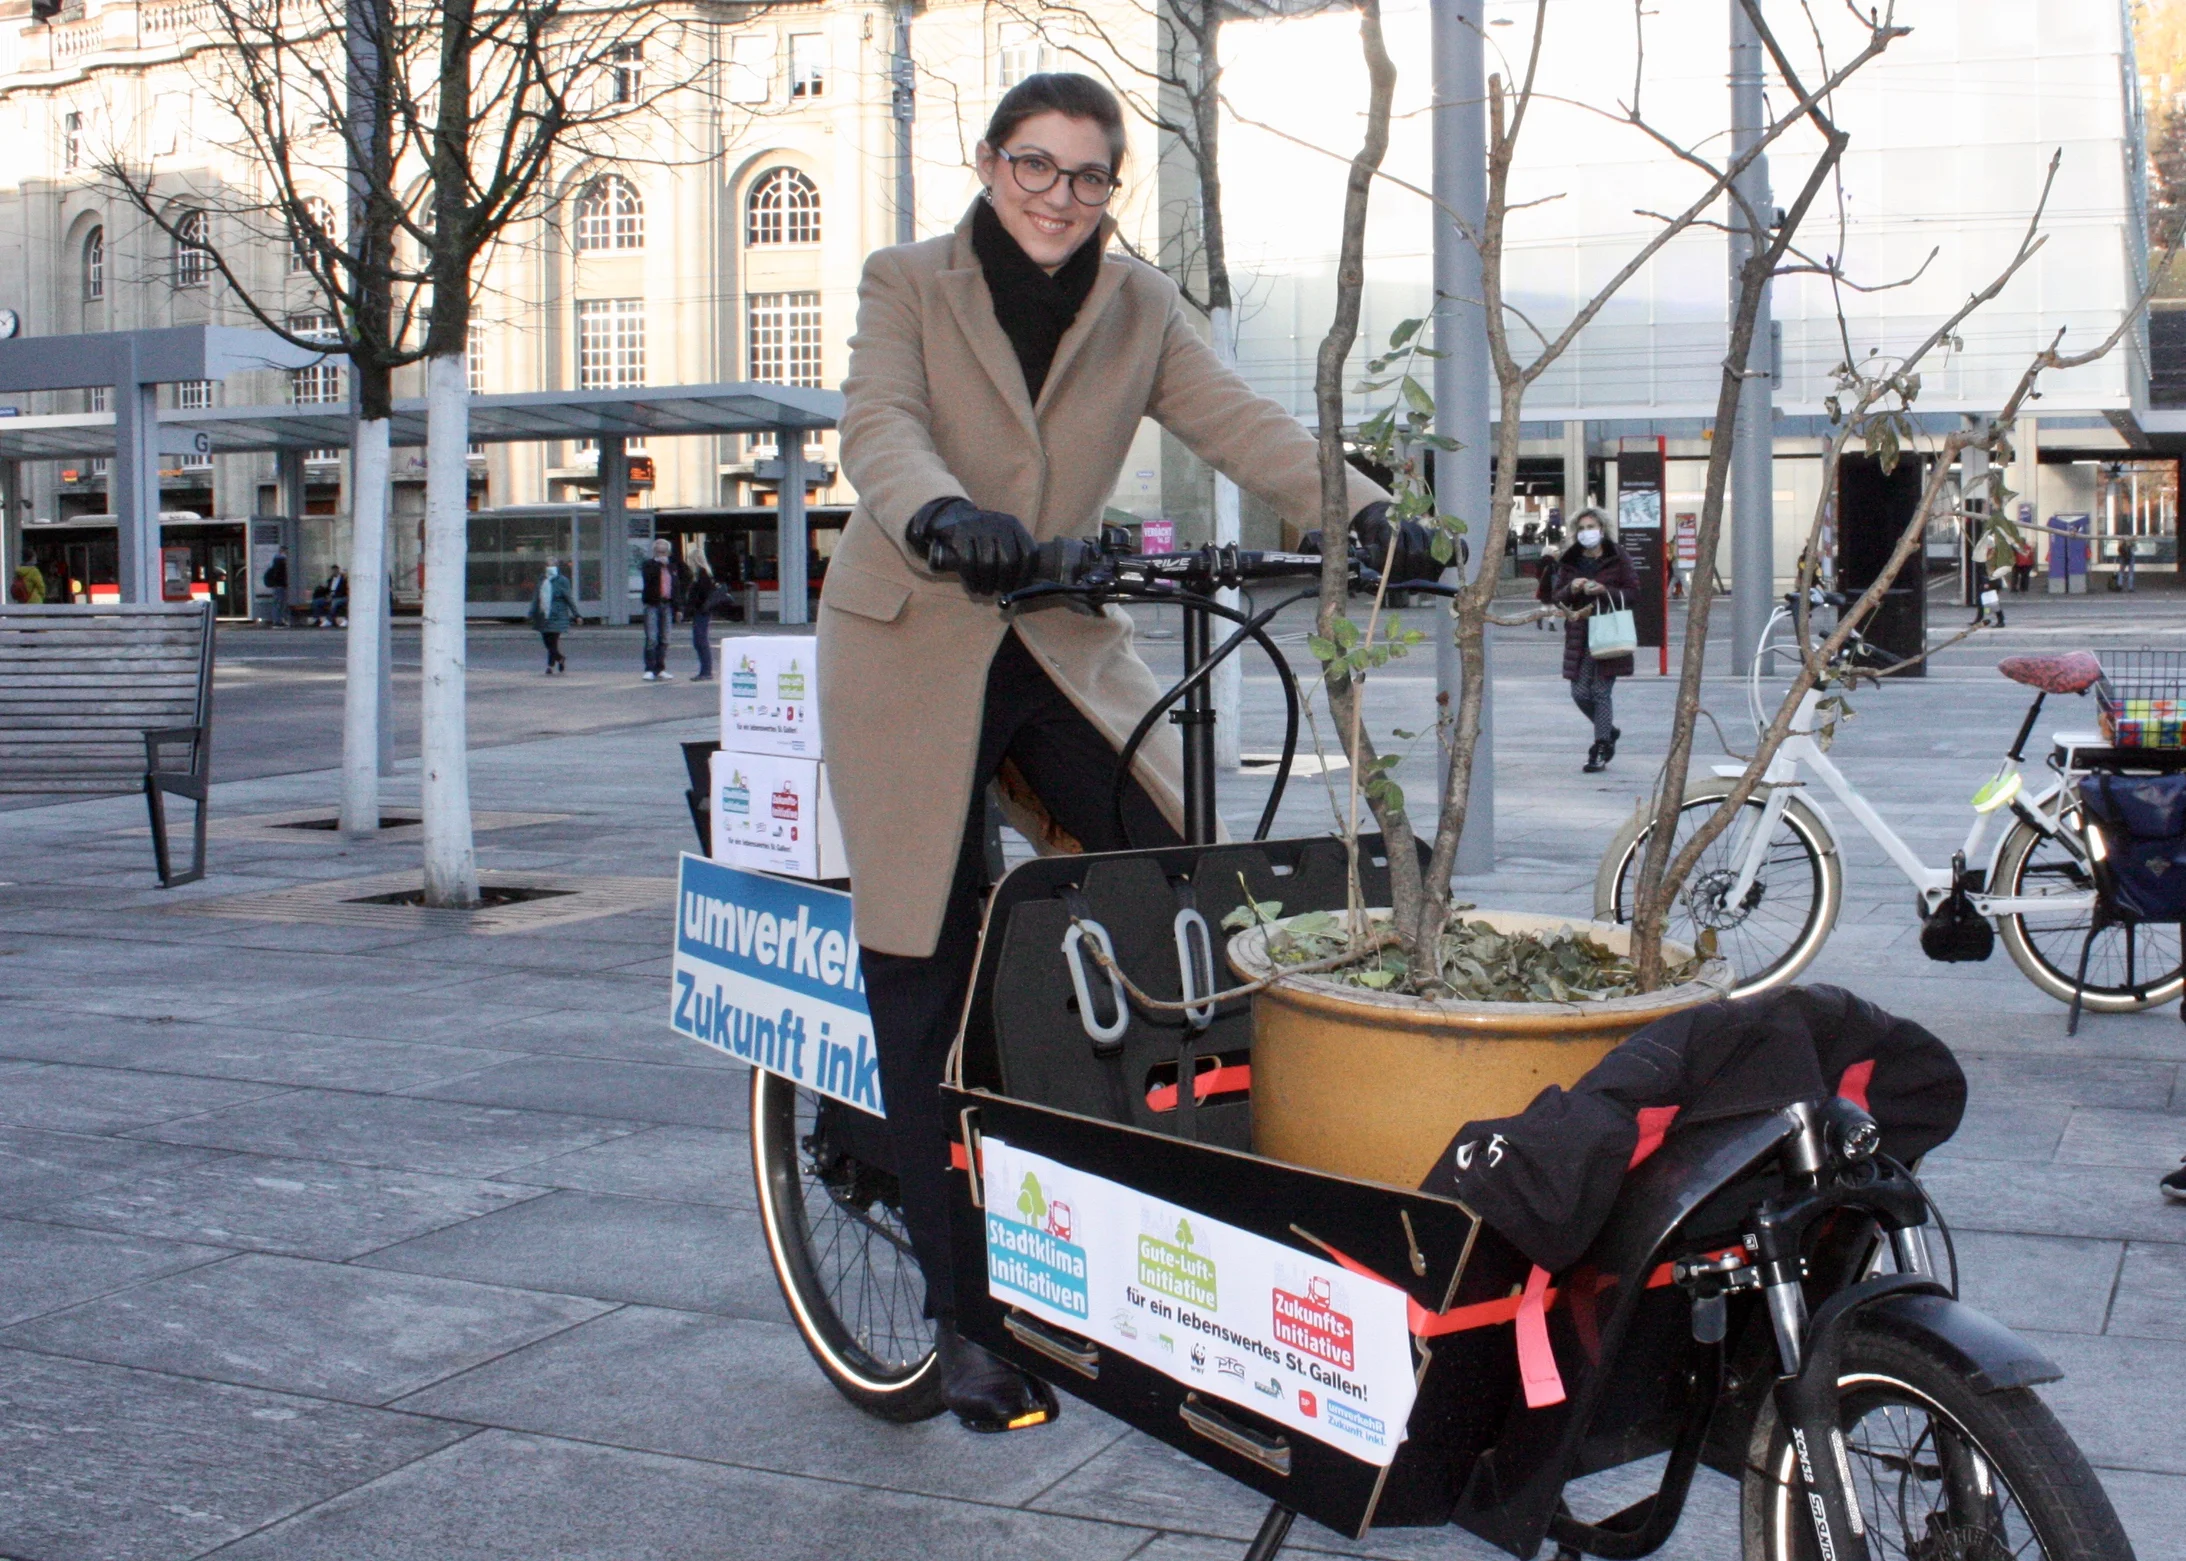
2072 673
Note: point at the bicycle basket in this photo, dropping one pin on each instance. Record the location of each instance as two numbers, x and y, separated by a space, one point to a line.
2136 828
2141 698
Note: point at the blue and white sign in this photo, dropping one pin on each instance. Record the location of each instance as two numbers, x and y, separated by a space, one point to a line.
767 970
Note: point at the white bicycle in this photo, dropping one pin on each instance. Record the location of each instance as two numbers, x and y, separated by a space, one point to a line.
1770 886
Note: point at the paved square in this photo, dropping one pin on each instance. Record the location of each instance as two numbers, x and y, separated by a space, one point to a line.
394 1240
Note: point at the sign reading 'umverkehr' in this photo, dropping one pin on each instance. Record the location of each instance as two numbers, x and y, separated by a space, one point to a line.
1287 1335
766 969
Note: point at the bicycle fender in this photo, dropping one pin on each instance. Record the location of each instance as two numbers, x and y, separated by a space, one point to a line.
1988 1356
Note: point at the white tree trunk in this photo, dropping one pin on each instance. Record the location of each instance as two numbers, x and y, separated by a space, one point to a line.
361 712
1228 682
451 863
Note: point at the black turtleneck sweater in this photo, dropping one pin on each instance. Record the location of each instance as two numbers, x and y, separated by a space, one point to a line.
1033 308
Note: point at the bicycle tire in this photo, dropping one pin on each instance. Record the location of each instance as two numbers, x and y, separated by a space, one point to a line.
2048 952
1898 1398
1759 959
836 1241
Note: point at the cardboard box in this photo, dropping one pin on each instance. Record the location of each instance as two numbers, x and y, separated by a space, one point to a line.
770 693
775 815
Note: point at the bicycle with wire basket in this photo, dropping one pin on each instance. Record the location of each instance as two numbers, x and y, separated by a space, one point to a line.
1768 890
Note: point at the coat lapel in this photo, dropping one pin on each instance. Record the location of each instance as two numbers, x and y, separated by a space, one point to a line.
1105 287
965 287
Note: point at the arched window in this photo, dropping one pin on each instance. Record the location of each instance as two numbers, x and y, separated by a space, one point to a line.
94 264
783 208
610 215
319 213
193 258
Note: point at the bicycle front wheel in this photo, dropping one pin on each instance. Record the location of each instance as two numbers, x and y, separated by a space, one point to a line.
2129 967
1939 1470
1775 928
835 1233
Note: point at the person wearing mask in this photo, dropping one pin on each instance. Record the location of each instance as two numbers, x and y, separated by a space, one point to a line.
662 585
998 375
553 610
1592 574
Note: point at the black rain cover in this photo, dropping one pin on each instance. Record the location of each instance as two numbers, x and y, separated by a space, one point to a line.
1546 1178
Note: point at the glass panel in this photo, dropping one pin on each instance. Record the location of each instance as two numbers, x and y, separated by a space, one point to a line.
509 554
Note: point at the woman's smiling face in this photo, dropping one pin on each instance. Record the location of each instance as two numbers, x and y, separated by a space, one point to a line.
1051 225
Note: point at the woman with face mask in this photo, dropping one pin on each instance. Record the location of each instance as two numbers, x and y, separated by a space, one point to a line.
998 378
1593 574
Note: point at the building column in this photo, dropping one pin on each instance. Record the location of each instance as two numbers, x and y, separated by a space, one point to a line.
1574 473
11 520
614 531
789 522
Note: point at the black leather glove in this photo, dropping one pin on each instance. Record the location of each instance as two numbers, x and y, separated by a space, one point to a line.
1415 556
989 549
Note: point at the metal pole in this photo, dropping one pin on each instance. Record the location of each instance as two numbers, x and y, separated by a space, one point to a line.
904 79
1753 479
135 486
1462 375
789 542
614 531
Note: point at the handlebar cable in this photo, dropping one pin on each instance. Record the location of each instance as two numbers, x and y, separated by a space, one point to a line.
1950 1247
1254 629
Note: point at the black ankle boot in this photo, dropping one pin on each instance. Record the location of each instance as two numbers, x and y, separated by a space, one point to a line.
989 1394
1597 759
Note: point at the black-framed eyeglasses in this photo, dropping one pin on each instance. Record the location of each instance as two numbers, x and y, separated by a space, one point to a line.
1036 173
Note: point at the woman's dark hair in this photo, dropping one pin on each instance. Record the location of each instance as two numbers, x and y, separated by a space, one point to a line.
1059 92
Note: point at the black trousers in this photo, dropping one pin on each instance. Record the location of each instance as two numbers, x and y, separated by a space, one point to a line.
917 1003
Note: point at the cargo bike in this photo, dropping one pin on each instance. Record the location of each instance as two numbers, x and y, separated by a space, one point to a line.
1761 1300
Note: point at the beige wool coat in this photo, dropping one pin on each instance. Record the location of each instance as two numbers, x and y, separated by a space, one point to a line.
935 406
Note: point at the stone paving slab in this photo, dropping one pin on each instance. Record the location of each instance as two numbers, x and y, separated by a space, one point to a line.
503 1497
684 1255
687 1097
328 1330
67 1099
445 1137
47 1267
743 1392
304 1208
2063 1283
680 1164
136 1466
37 1166
218 1049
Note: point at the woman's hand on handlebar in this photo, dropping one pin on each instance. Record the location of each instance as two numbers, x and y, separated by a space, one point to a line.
989 549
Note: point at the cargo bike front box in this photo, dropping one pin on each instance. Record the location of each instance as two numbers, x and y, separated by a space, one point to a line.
1347 1348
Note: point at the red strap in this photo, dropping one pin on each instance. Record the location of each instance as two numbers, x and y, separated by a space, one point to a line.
1222 1079
1536 1360
1853 1086
1654 1122
958 1159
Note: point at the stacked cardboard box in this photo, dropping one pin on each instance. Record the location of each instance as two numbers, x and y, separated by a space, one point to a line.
771 806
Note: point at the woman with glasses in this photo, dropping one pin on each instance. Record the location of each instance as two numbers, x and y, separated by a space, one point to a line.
998 377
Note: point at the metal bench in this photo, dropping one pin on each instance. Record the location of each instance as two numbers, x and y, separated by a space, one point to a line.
102 701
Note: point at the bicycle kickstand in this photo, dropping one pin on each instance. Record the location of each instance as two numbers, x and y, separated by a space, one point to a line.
1274 1529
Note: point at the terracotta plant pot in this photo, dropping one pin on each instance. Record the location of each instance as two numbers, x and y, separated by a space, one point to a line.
1374 1085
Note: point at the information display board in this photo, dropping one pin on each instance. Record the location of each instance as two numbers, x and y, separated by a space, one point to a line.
766 969
1640 534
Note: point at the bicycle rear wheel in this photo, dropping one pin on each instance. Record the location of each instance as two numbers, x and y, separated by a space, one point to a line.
1777 926
834 1224
2129 968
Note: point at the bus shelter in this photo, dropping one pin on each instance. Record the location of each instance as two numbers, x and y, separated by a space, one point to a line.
611 418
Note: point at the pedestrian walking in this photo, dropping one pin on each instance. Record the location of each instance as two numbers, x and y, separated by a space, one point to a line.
553 610
275 580
28 587
2022 566
1544 567
2128 563
707 597
1592 572
663 583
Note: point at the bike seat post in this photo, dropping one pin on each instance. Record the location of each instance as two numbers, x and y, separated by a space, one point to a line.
1197 718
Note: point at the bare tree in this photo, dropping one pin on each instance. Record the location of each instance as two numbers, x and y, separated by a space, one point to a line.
475 105
1421 900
